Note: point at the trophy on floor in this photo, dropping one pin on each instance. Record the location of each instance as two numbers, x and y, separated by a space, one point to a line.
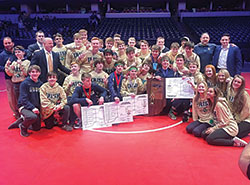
156 96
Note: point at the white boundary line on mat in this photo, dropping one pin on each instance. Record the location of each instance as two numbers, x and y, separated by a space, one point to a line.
4 90
136 132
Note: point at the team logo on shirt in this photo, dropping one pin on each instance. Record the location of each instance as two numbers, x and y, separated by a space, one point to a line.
53 96
34 89
76 54
204 105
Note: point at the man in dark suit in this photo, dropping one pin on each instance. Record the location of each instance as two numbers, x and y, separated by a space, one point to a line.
227 56
48 60
36 46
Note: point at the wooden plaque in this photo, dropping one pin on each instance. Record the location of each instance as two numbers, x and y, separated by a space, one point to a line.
156 96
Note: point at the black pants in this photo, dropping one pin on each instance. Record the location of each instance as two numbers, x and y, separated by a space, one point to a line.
30 118
180 105
244 129
64 113
72 115
61 77
16 87
220 138
196 128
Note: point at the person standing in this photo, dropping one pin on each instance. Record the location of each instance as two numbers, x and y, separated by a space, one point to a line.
8 55
87 59
36 46
161 42
18 72
227 56
61 50
205 51
48 60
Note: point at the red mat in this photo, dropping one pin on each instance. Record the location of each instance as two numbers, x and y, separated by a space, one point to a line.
170 156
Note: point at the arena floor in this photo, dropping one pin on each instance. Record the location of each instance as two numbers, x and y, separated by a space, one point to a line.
159 153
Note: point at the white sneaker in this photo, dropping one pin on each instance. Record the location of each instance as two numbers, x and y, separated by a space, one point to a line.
239 142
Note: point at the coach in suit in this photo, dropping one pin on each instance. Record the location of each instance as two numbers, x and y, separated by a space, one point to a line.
36 46
228 56
48 60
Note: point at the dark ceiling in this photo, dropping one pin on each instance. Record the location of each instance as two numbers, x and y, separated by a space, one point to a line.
79 1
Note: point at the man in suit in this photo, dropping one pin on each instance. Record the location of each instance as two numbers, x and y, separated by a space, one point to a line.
36 46
227 56
48 60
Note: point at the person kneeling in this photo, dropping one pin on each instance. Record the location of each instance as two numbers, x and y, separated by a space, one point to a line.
86 95
53 103
29 102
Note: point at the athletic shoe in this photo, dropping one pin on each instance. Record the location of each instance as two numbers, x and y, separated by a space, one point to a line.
239 142
23 131
78 123
171 115
67 128
16 123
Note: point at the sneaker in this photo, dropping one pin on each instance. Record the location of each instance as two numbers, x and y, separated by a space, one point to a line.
23 131
16 123
239 142
78 123
67 128
171 115
185 117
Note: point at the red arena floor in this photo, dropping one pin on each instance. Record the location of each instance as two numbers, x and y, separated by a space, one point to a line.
149 151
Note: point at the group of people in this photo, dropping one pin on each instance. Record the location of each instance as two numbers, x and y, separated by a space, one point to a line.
52 82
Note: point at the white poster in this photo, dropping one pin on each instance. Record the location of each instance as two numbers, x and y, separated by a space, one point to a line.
179 88
139 104
94 117
99 116
118 113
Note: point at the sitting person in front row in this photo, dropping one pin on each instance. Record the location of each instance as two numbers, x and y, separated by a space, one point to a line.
86 95
226 128
53 103
239 103
201 111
